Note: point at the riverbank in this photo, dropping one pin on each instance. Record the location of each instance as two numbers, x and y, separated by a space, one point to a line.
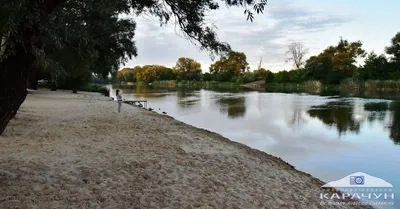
186 84
67 150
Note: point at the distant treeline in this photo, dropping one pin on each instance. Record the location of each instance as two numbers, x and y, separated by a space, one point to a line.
337 65
230 68
334 65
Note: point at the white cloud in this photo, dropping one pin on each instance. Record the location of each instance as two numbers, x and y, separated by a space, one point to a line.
266 37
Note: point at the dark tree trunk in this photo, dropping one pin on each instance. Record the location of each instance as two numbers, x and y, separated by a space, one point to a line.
14 71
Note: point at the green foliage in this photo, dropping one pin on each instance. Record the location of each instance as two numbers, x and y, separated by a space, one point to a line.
394 49
207 77
335 63
93 39
146 73
230 66
282 77
188 69
96 88
248 77
74 82
269 77
74 39
296 76
260 74
375 67
53 15
167 74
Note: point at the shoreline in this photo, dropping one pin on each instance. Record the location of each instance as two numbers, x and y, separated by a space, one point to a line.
74 150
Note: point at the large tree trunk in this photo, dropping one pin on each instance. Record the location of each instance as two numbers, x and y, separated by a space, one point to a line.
14 71
15 68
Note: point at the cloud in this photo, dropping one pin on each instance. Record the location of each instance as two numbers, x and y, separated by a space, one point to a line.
266 37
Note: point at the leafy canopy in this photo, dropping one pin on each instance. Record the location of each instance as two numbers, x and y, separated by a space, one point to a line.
95 35
335 63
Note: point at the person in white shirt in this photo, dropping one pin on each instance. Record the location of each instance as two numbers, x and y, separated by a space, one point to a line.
119 99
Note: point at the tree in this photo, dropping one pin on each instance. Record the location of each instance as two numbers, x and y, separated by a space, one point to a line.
394 49
375 67
94 41
232 65
335 63
149 74
168 74
126 75
247 77
188 69
296 53
282 77
260 74
207 77
296 76
269 77
28 28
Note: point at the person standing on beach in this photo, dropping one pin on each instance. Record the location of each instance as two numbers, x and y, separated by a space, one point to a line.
119 100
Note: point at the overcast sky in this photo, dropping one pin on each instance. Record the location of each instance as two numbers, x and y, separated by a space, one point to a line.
315 23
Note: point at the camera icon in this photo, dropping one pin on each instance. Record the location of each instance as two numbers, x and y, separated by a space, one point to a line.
356 180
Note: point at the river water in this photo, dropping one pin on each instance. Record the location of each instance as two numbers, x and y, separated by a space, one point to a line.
329 137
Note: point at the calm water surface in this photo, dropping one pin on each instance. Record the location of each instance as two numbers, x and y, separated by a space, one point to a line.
328 137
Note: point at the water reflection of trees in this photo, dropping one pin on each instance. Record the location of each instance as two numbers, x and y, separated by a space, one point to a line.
297 118
187 97
376 116
151 92
234 106
338 114
395 123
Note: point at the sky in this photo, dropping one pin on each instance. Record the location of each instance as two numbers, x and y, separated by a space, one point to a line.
316 24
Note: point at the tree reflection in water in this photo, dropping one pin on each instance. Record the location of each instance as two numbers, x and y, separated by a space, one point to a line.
234 106
395 122
187 97
338 114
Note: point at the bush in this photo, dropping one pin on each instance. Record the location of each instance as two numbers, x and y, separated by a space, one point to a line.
385 85
96 88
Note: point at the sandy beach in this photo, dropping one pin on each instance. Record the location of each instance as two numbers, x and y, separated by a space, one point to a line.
67 150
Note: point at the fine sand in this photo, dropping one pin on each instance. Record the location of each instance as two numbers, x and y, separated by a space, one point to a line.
67 150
